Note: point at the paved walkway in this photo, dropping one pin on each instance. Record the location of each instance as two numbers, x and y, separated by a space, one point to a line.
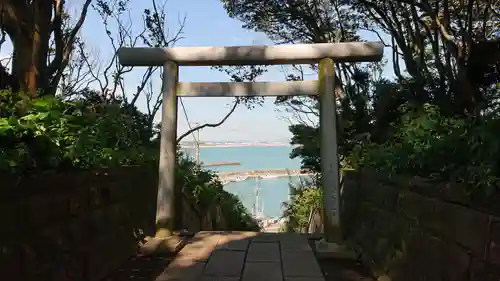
244 256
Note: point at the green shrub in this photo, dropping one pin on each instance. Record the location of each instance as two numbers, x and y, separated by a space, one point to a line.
48 132
304 197
206 190
52 133
428 144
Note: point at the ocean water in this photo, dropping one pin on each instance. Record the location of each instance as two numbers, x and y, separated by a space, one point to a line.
272 192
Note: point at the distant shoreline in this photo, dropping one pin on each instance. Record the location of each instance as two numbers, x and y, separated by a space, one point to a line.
207 145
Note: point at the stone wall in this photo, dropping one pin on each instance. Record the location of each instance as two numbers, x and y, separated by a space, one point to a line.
74 225
410 229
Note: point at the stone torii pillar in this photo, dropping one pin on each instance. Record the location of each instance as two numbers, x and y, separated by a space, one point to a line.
324 53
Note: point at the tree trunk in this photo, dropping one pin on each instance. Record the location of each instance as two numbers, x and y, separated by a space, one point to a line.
31 46
29 28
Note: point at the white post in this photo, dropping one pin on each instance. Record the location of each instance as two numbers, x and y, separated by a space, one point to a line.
166 205
329 153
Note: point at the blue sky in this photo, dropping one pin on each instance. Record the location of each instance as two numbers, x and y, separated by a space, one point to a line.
207 24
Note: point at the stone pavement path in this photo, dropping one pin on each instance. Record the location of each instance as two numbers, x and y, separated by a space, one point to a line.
244 256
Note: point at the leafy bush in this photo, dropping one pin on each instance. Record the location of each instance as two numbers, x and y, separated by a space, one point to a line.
423 142
206 190
304 198
428 144
48 132
92 131
236 215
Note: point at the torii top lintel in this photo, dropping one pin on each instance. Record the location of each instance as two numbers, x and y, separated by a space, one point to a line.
253 55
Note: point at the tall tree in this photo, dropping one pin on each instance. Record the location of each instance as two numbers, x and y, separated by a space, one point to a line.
365 101
450 48
108 75
42 41
300 21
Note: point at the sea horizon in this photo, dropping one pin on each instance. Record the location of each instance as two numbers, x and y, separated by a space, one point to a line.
205 144
269 192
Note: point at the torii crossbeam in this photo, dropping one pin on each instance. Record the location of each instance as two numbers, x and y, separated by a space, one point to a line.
325 53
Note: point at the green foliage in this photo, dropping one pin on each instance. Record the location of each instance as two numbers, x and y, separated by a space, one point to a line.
308 149
421 142
305 197
236 215
48 133
357 120
436 137
94 131
428 144
206 191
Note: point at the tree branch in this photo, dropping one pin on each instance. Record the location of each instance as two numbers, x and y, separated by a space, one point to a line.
64 46
210 125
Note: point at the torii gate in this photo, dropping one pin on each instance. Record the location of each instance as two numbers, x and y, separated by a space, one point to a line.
324 53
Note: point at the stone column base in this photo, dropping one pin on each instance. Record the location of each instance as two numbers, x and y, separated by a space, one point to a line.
162 246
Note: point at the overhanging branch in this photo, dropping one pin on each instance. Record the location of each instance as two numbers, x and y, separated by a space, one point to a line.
210 125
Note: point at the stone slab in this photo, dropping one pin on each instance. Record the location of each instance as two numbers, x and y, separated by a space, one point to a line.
200 247
208 237
233 245
294 242
300 264
263 252
266 237
182 271
225 263
195 252
262 271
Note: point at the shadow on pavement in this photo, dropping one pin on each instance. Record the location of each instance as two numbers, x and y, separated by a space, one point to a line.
228 256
